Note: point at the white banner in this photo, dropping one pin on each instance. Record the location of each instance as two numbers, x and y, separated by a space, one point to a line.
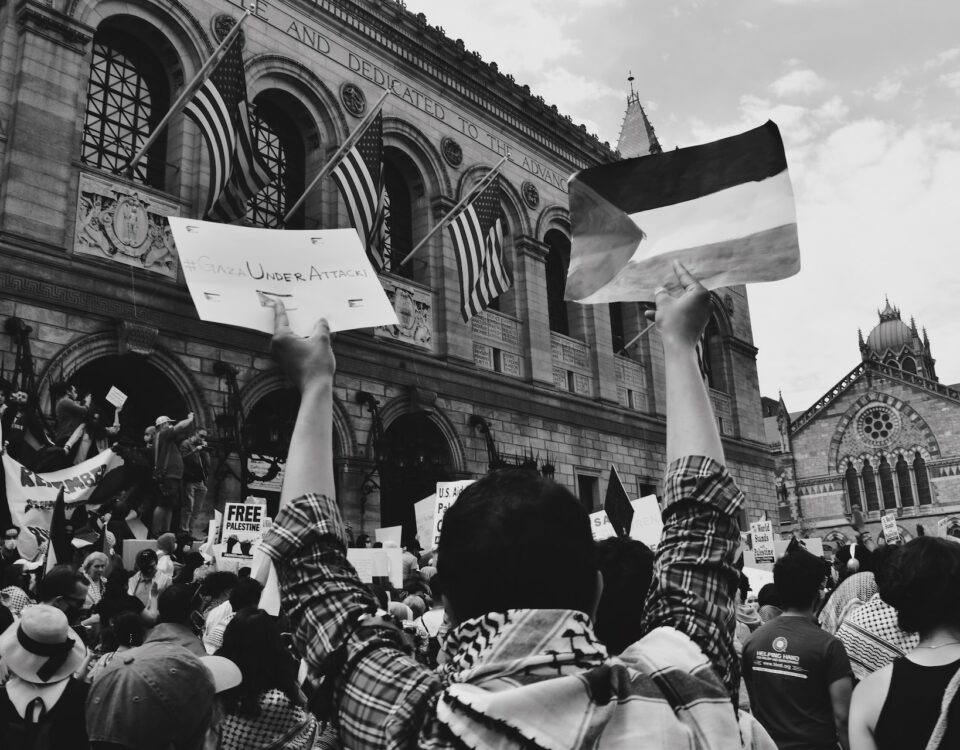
31 496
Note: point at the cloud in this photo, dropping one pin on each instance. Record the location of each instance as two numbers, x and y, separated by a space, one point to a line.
797 83
886 90
948 55
952 80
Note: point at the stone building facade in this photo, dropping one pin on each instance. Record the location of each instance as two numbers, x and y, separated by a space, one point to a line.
89 266
885 438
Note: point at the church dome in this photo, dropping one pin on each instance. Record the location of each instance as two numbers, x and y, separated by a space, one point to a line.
890 332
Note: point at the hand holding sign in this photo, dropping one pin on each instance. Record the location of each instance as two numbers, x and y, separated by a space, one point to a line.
306 361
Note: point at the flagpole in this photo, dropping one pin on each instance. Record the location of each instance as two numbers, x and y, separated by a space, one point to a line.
189 90
636 338
335 159
487 179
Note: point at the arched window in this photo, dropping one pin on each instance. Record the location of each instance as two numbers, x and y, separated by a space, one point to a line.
923 481
886 485
711 356
281 146
399 223
870 486
127 96
853 485
903 481
908 364
558 260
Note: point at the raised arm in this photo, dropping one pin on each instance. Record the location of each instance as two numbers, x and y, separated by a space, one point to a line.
694 579
356 670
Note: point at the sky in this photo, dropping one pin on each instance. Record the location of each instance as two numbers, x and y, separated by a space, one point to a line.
867 97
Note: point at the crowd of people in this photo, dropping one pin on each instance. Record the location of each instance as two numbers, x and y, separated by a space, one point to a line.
517 631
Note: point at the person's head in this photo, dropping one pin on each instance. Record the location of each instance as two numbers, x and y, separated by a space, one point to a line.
853 558
768 596
60 389
218 585
514 540
167 543
116 583
157 696
627 568
253 642
245 594
163 423
127 630
10 534
416 604
64 588
922 582
362 541
146 563
95 565
148 432
798 577
175 605
41 649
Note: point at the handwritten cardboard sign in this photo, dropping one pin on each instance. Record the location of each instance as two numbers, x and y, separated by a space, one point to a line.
242 526
389 534
116 397
386 562
763 548
600 526
232 271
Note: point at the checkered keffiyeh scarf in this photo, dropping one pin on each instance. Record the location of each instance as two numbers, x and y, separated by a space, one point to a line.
540 679
872 637
281 725
858 586
14 599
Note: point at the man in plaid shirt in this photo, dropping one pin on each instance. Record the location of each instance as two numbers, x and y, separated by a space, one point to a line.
516 559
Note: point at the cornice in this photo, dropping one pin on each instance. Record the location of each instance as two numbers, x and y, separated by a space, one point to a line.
50 24
409 37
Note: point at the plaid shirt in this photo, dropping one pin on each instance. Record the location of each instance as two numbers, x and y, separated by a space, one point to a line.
382 697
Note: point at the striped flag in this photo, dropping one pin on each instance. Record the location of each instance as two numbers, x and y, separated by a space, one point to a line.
477 233
724 209
237 172
359 177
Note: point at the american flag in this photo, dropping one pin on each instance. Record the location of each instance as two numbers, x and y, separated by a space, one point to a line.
477 234
237 172
359 176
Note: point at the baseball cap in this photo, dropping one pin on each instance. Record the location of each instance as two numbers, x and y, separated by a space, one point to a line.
155 695
162 420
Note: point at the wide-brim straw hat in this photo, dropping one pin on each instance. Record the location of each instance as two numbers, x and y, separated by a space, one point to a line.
42 648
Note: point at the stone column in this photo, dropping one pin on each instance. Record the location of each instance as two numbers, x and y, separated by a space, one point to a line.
531 284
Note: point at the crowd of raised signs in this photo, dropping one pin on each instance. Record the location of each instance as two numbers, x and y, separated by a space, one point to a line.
518 630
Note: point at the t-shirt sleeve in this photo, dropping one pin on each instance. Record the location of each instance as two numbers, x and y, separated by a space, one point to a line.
837 663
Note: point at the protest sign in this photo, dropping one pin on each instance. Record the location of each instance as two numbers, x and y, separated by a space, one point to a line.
389 534
232 271
424 511
116 397
600 526
447 493
385 562
647 524
758 578
724 209
31 496
891 533
242 526
761 533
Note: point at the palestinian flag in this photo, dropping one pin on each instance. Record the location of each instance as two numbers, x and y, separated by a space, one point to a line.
724 209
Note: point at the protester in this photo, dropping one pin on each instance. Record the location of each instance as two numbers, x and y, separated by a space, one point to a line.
768 603
174 620
127 630
245 594
116 600
517 561
9 553
627 568
195 467
166 547
156 697
911 703
42 704
69 409
148 583
267 709
168 472
94 569
798 676
66 589
215 592
93 436
14 598
858 587
410 558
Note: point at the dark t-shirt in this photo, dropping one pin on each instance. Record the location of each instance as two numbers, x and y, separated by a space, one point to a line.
788 665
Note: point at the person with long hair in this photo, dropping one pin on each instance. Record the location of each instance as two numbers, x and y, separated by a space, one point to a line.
267 709
911 704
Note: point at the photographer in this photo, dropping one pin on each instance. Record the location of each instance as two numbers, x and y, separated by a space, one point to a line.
193 450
